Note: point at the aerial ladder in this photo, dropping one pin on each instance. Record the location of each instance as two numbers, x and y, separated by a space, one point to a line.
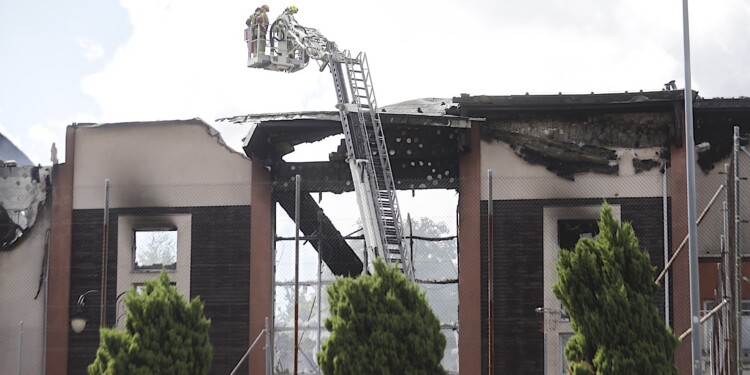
291 48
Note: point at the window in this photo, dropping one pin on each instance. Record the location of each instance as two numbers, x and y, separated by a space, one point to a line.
564 338
155 249
139 287
570 231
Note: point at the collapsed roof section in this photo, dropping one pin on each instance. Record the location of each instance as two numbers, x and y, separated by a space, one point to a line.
568 134
23 192
423 143
714 119
571 134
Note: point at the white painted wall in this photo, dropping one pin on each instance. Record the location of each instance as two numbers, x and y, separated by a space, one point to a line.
517 179
514 178
158 164
20 270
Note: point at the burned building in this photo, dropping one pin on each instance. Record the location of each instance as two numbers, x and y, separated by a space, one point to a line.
152 181
25 220
553 160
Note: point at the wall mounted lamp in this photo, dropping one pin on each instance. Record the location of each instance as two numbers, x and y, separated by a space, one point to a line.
78 321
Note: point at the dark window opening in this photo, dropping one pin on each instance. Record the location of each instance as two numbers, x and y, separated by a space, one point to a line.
570 231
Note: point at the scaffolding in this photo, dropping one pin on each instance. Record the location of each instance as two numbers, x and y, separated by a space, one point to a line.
723 349
721 324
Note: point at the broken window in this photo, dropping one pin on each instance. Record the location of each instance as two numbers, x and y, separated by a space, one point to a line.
570 231
154 249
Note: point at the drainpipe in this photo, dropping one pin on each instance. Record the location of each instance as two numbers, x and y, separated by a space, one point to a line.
46 296
666 244
665 207
105 253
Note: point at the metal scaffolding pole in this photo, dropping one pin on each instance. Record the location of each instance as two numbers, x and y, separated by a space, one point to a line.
727 331
320 278
737 262
730 276
297 179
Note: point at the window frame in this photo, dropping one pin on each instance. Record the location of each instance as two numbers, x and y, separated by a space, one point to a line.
152 268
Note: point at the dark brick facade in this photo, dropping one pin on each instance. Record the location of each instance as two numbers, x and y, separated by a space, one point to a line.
519 274
219 274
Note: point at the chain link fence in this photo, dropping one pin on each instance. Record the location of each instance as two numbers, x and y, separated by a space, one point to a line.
201 234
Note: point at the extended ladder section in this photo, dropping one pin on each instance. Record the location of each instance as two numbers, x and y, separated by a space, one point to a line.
367 154
376 190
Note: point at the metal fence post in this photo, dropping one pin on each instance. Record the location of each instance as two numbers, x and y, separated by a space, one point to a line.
268 347
20 346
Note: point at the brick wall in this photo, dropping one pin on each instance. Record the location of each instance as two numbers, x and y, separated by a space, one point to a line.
219 274
519 274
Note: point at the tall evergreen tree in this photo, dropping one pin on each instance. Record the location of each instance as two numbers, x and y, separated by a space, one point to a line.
381 324
164 334
607 287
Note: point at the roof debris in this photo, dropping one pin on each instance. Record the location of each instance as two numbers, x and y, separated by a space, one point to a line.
23 192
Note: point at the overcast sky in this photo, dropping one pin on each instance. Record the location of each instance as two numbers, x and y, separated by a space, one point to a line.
140 60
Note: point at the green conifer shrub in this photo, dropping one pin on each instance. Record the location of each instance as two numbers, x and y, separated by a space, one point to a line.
606 285
381 324
164 334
